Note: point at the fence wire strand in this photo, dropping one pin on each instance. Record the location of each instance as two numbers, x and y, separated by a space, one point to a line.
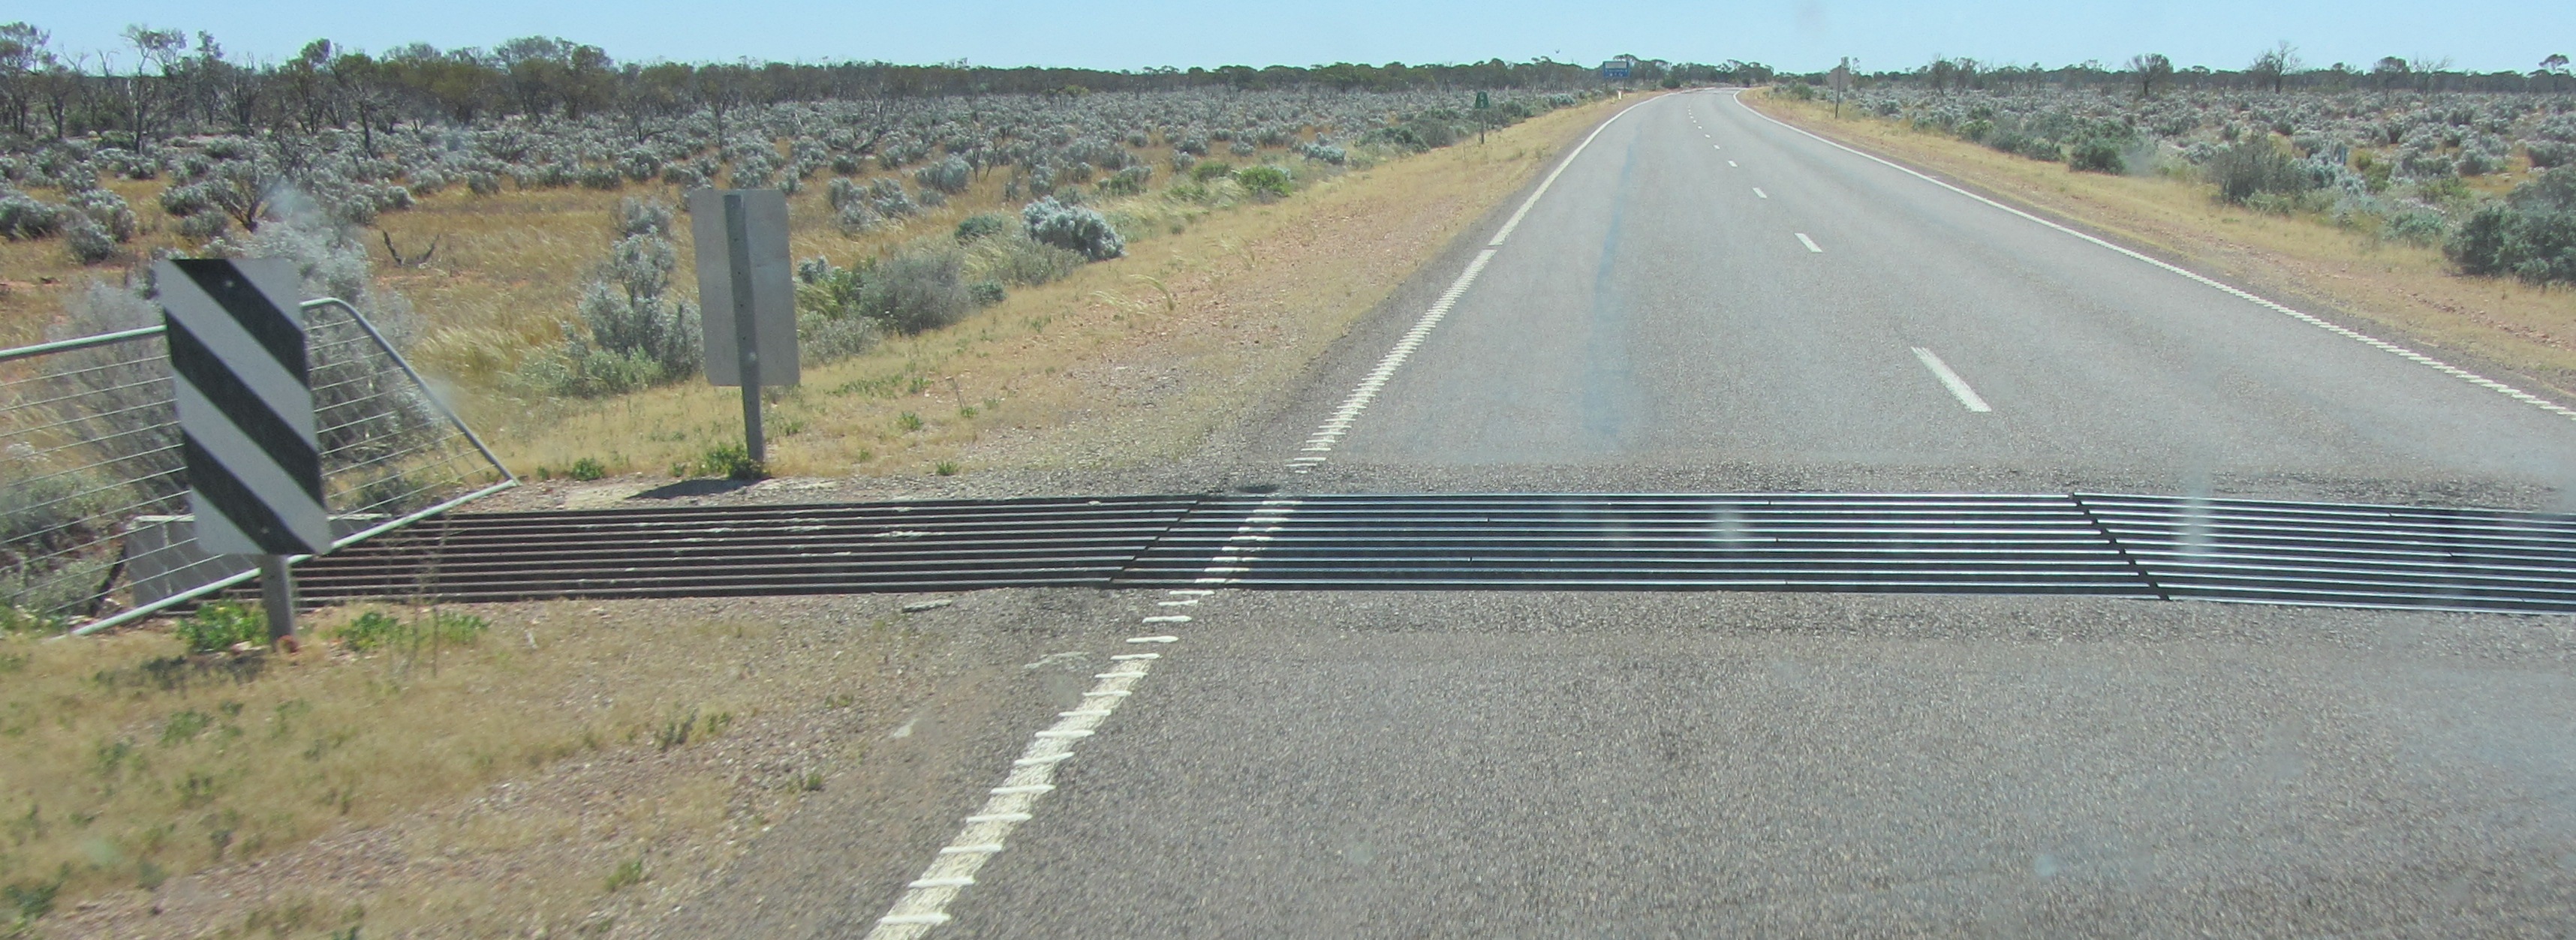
93 491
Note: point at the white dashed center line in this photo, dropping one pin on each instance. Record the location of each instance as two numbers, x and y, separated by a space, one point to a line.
2310 319
1730 163
1758 192
1809 242
1951 380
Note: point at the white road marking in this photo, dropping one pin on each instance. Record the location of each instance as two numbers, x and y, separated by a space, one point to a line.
1758 192
1950 379
2247 296
1331 431
1809 242
1515 221
924 902
1730 163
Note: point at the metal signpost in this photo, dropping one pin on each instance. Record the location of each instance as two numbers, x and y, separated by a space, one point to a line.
747 294
1840 79
244 386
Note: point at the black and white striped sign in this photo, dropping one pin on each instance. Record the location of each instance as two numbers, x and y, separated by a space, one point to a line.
237 361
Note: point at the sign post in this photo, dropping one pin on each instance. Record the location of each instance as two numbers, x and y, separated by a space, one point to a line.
244 386
1841 81
747 296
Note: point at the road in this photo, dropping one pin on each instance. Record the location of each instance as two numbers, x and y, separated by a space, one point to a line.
1708 297
1705 287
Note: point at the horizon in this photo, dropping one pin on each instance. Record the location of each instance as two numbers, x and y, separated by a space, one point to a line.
1801 37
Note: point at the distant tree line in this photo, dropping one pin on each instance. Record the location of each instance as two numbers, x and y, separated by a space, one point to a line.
158 82
2277 69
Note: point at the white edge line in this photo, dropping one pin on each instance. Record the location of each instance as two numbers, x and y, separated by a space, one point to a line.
1950 379
1331 431
1515 221
2267 303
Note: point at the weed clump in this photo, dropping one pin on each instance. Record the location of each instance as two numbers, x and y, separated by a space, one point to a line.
218 626
374 631
732 462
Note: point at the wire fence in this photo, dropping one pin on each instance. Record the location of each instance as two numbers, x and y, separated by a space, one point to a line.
94 525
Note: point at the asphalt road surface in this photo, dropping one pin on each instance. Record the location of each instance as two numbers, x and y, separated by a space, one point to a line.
1702 288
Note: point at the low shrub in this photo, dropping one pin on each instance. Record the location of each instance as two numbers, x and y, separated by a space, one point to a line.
918 287
22 217
1264 182
87 242
1017 259
2531 235
1127 182
2096 155
949 176
1073 228
977 227
2248 167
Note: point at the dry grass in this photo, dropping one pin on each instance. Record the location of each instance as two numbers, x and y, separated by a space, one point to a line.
2403 291
1126 361
125 766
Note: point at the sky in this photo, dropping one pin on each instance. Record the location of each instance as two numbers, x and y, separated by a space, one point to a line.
1794 35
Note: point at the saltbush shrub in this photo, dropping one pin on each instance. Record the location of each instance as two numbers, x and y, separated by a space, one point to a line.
1072 228
949 176
86 241
23 217
638 335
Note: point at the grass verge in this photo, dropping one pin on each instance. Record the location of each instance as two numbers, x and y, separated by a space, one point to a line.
2402 292
125 764
1126 361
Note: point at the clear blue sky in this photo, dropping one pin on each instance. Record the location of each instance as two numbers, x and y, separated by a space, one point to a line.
1799 35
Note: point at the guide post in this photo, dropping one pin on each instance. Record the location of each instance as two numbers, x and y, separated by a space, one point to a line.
244 385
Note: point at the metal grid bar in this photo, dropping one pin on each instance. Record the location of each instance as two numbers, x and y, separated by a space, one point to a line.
1788 542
